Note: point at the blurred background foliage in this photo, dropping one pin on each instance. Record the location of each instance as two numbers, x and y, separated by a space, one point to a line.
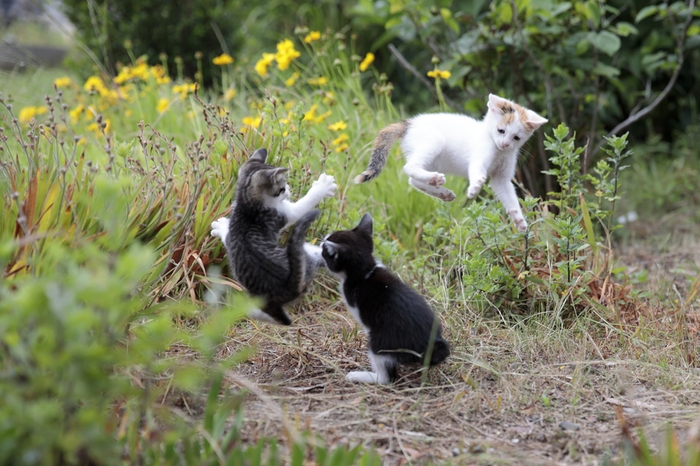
589 64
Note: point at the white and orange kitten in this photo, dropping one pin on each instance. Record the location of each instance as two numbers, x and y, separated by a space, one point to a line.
444 143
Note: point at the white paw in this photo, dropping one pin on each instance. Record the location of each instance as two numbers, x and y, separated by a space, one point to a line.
446 195
438 179
261 316
315 252
518 219
220 228
475 187
325 185
362 377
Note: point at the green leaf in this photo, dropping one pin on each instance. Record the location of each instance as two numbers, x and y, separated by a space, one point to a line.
601 69
625 29
646 12
606 42
449 19
593 13
589 226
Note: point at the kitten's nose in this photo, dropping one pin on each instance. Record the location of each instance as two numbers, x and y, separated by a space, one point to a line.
505 144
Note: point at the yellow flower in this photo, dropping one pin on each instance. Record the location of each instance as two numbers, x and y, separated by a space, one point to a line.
338 126
340 139
223 59
322 117
320 81
94 127
253 122
328 98
75 113
158 72
27 113
285 54
312 36
439 74
162 105
292 79
123 76
262 64
369 58
62 82
140 71
230 94
341 147
311 114
95 83
183 89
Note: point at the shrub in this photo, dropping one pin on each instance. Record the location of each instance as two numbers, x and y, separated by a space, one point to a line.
121 31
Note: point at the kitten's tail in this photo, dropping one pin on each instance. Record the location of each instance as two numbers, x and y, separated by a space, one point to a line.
382 143
441 350
295 249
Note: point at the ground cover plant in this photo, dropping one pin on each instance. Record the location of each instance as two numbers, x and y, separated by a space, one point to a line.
120 328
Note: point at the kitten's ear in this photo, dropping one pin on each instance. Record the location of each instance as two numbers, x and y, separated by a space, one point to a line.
365 224
534 121
495 103
259 155
331 249
279 175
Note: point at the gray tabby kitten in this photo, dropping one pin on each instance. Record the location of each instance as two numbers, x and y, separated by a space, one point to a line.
278 274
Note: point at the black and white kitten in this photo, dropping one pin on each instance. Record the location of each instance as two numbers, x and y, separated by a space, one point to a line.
398 321
278 274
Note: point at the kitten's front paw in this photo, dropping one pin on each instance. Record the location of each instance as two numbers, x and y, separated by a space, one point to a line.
325 184
220 228
521 225
475 187
519 220
361 376
438 179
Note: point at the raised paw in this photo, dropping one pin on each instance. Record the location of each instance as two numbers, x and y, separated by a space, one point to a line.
438 179
475 187
220 228
518 219
325 184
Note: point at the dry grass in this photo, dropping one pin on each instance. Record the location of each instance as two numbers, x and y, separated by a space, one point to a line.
504 393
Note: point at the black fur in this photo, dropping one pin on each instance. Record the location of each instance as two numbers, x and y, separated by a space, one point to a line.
266 269
399 321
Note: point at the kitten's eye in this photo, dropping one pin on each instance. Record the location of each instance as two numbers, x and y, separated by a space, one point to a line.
517 138
281 191
502 131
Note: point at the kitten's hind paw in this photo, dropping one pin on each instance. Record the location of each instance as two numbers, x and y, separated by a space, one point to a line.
325 184
438 179
220 228
362 377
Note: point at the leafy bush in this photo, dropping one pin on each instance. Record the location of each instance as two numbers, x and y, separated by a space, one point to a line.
118 32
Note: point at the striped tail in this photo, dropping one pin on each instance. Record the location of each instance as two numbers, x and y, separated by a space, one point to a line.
380 150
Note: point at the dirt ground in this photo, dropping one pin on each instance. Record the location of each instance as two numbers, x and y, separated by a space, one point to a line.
509 394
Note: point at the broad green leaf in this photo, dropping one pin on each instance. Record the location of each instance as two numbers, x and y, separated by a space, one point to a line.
646 12
625 29
593 12
449 19
606 70
606 42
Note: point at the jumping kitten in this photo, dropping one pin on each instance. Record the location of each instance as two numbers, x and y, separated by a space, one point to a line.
251 236
398 321
444 143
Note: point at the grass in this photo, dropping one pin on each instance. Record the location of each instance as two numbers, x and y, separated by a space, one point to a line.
543 331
